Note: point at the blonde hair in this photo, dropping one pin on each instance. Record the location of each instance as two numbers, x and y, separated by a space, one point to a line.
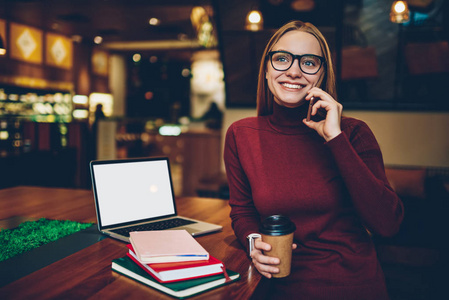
326 81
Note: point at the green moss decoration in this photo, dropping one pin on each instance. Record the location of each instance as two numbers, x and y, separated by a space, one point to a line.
33 234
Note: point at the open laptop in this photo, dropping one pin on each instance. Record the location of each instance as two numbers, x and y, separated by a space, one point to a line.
136 195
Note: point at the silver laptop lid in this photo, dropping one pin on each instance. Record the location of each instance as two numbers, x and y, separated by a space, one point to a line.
129 191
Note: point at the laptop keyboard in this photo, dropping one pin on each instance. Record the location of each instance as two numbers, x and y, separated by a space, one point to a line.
159 225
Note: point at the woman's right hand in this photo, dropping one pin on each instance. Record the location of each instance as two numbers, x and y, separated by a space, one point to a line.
266 265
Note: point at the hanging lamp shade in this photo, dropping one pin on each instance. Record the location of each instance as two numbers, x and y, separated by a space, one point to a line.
254 21
399 12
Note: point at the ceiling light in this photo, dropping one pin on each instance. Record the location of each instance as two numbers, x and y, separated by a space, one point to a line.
137 57
185 72
399 12
254 17
154 21
254 21
98 39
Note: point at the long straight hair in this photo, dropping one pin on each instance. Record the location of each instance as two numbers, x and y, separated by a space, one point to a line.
265 97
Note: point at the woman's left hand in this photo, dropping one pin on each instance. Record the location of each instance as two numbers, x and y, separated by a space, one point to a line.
330 126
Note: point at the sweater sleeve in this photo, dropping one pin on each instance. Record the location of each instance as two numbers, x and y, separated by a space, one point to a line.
359 159
244 216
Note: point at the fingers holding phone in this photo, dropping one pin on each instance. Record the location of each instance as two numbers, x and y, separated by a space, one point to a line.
330 126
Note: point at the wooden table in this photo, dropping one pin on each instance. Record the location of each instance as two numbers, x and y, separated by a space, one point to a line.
87 273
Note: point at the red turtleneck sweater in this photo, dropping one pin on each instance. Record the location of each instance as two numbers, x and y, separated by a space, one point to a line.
333 192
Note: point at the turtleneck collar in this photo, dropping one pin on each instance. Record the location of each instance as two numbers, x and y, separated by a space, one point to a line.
289 120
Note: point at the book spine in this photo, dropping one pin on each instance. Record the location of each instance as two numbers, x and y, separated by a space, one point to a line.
143 280
161 279
148 270
173 258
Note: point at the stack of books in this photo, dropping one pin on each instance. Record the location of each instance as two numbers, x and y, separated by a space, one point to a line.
173 262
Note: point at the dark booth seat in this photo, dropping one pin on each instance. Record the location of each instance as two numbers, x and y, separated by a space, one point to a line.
415 260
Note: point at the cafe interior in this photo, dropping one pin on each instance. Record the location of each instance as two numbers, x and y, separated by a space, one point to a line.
92 80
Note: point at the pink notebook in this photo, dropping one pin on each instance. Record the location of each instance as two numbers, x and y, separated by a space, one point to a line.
178 271
160 246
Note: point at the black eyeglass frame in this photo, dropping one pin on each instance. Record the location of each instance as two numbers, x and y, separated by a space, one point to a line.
321 59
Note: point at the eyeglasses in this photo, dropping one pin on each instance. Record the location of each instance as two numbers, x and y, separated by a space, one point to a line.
283 60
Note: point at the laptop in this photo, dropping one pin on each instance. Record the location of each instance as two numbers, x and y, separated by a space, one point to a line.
137 195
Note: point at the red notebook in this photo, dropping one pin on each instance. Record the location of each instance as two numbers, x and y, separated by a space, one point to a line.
177 271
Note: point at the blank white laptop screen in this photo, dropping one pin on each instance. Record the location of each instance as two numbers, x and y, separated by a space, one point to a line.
133 191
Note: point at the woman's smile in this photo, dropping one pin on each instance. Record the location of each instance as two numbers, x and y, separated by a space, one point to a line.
292 86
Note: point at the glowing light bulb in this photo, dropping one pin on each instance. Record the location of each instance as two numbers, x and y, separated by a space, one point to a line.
399 12
254 17
154 21
98 39
137 57
399 7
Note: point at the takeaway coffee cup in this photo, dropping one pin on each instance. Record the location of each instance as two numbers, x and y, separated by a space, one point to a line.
277 230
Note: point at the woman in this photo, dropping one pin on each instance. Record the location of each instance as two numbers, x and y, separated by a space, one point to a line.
326 174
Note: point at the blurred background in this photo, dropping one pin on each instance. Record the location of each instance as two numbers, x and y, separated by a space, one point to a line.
83 80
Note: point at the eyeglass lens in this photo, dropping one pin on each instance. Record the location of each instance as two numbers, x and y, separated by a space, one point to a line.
282 61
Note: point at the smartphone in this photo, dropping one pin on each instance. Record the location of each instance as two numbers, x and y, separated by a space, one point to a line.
309 112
